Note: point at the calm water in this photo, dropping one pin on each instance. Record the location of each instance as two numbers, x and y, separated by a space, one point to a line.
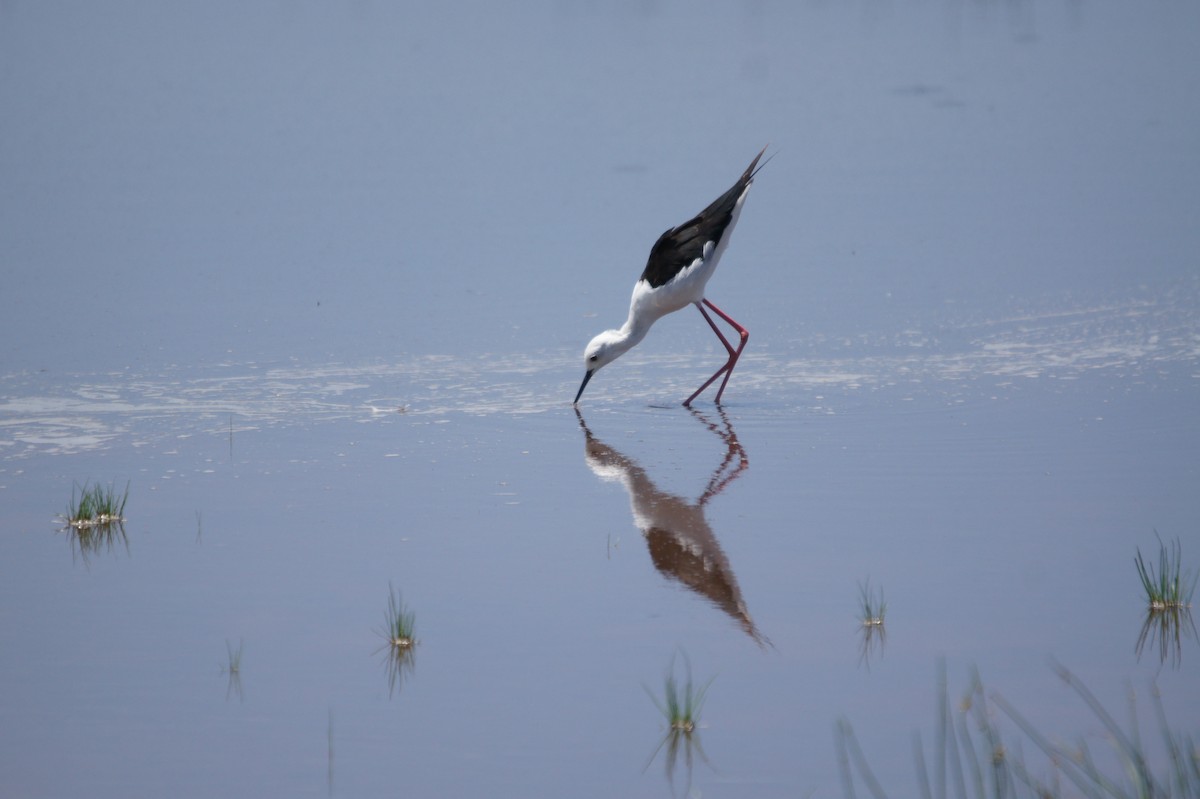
316 283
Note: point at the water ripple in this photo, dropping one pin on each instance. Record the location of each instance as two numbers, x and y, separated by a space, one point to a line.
1137 340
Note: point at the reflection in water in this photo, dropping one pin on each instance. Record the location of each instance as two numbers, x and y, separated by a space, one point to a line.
682 545
872 611
678 741
874 637
234 687
399 662
681 708
1167 627
88 540
329 753
233 670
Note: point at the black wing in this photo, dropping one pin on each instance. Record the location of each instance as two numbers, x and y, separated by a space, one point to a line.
680 246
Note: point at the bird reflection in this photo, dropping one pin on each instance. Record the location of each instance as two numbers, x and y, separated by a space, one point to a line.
681 542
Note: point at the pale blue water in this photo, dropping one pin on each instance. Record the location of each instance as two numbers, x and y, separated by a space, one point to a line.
316 283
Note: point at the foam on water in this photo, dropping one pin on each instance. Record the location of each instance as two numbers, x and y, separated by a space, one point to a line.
946 361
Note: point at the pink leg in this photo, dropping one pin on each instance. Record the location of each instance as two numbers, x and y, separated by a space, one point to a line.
727 369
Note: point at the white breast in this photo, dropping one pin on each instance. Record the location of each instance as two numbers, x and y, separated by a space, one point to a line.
682 290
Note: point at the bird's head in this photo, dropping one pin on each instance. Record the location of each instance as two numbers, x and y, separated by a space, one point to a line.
600 352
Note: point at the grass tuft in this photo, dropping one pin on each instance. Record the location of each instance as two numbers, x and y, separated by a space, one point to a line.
1168 591
95 518
1168 588
399 627
95 506
681 705
399 622
872 609
871 612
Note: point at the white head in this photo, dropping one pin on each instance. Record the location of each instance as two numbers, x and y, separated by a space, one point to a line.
601 351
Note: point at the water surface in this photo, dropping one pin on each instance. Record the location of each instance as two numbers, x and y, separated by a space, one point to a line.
316 283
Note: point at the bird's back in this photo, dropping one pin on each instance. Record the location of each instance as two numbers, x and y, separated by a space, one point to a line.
680 247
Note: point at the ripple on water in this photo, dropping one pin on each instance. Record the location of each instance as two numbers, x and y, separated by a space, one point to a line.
948 361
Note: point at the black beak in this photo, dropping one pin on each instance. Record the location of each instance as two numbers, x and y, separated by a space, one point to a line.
583 385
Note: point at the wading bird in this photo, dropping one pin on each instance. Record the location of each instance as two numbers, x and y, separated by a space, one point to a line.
680 264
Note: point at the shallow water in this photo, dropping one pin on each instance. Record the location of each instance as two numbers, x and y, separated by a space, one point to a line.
347 264
556 563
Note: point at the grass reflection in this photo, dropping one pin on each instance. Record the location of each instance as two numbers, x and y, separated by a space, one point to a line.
233 670
1165 630
680 706
88 541
972 757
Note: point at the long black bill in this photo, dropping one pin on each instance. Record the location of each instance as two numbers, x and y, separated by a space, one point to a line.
583 385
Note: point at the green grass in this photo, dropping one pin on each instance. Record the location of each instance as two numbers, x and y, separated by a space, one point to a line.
872 609
95 518
680 706
95 506
973 757
399 632
1168 588
681 703
399 622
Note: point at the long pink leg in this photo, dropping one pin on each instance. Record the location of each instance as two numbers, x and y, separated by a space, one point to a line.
727 369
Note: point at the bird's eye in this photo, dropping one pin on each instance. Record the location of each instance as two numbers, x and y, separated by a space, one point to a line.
593 358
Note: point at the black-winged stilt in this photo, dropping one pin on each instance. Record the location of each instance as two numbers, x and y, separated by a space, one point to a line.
680 264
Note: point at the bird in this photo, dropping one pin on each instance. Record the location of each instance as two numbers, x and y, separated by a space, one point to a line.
676 273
